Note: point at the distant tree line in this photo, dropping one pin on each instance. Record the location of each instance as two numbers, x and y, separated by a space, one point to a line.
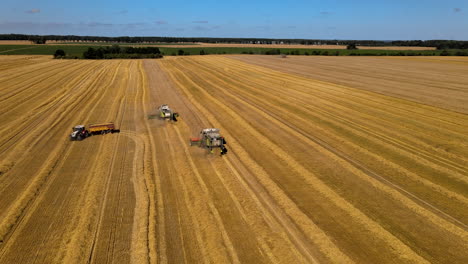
116 52
113 52
440 44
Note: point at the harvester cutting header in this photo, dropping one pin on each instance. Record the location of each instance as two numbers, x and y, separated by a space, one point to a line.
210 138
80 132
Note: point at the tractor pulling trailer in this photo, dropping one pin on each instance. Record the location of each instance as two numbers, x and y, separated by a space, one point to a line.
80 132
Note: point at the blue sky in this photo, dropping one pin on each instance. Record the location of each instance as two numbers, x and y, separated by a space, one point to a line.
358 19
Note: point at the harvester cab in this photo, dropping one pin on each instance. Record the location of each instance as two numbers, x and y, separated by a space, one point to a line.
210 138
166 113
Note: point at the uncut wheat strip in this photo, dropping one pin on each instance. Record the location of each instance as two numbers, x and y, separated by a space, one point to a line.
449 226
129 122
399 248
266 94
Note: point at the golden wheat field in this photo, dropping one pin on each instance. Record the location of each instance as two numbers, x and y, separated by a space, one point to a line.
331 160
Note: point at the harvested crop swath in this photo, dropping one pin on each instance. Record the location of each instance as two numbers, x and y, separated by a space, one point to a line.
357 163
52 189
317 171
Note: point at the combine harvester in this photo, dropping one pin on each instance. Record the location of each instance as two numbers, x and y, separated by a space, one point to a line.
166 113
210 138
80 132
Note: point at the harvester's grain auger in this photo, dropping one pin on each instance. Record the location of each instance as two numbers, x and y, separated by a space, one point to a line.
166 113
210 138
